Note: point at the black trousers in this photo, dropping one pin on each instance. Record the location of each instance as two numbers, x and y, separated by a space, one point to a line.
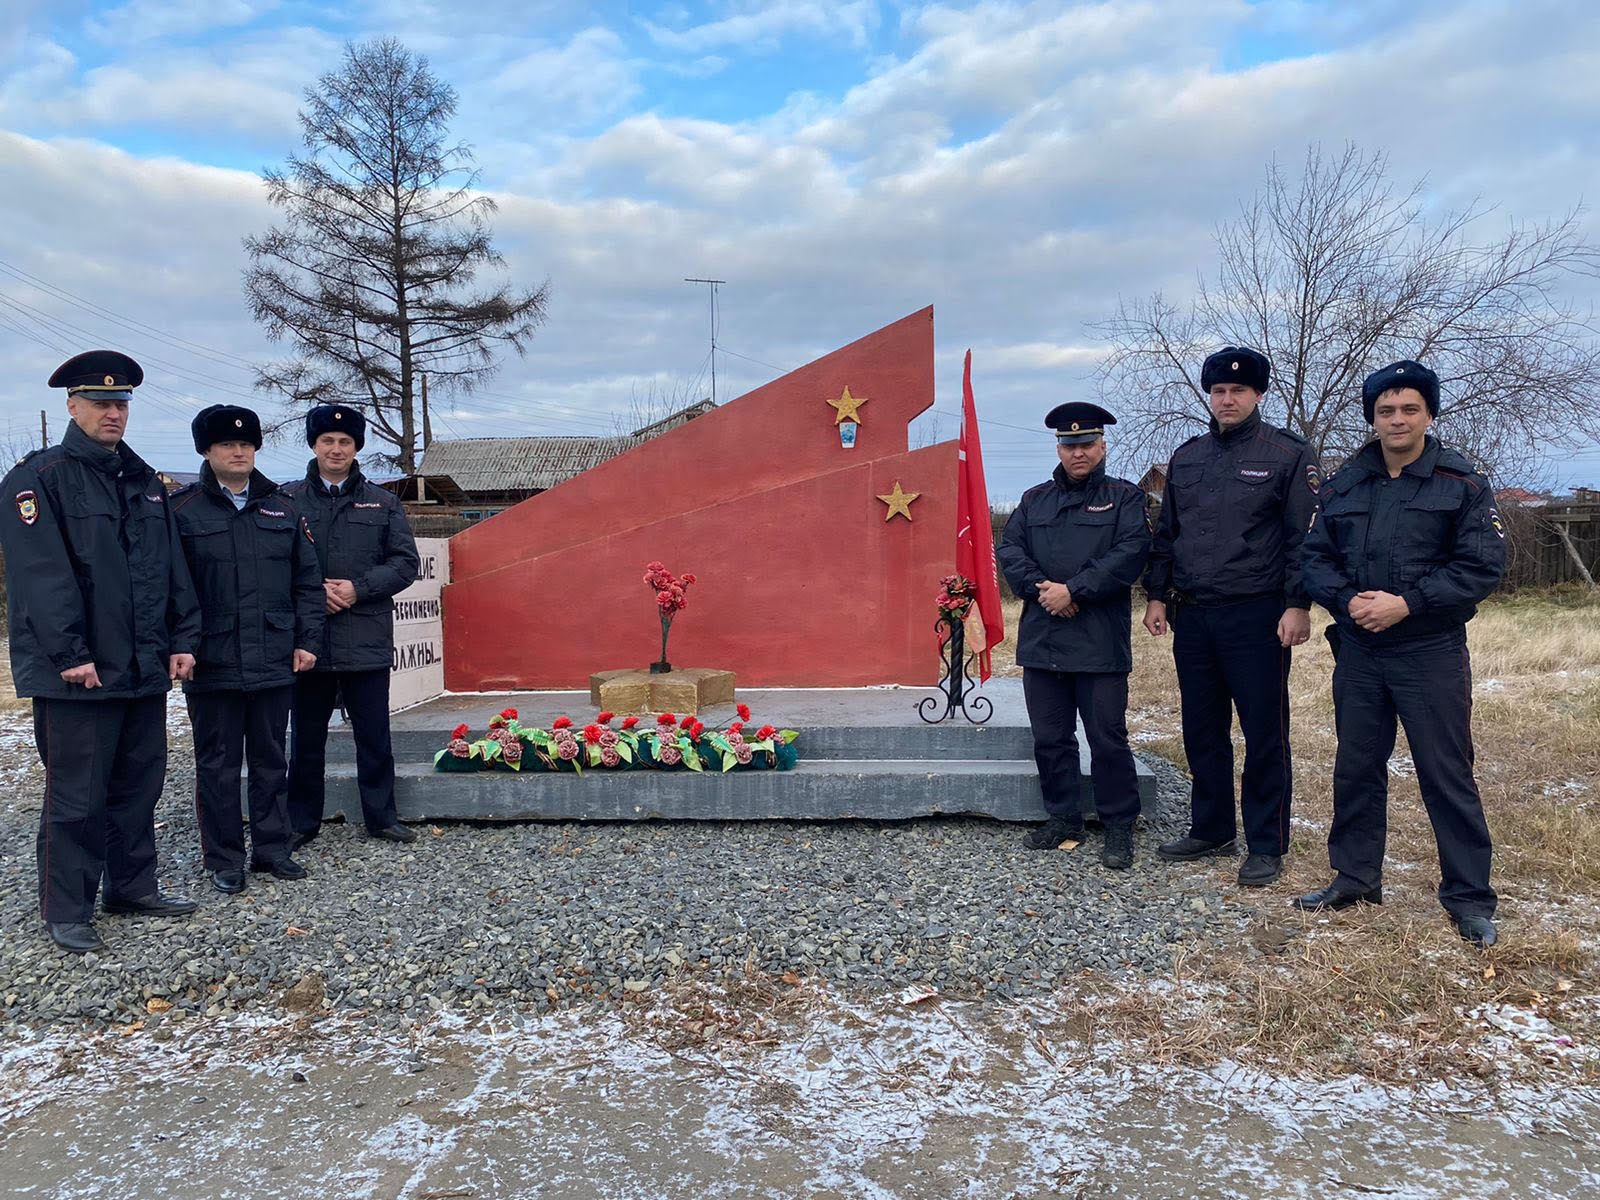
229 728
1228 656
105 762
1056 699
366 703
1428 687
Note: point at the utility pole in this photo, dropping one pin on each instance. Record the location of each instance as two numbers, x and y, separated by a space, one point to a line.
427 426
714 284
44 430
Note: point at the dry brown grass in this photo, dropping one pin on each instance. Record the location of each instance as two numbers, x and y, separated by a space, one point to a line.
1388 991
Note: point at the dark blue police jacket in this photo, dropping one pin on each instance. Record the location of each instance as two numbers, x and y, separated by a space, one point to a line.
1091 536
1431 536
95 572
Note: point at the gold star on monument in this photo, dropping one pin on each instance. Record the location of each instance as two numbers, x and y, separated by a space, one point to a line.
899 502
848 407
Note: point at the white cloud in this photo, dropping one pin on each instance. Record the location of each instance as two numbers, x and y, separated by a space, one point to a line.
763 28
155 20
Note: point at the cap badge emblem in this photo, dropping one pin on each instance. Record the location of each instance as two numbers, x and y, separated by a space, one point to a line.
338 416
110 379
238 423
1399 370
1074 427
1233 366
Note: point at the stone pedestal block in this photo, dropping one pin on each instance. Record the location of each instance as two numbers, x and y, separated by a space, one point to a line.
686 690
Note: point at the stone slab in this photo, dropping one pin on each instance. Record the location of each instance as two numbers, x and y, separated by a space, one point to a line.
864 754
820 789
685 690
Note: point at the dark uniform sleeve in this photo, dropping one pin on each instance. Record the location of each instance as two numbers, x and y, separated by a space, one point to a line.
1322 570
1015 557
1477 559
397 570
310 608
183 599
43 585
1298 506
1118 569
1158 574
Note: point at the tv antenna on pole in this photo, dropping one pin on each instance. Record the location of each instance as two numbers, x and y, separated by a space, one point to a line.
713 284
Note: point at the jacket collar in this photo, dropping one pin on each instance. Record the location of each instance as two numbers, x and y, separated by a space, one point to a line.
1370 458
259 486
119 460
351 483
1077 487
1243 431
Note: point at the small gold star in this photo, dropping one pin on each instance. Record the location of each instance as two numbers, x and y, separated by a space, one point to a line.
899 502
848 407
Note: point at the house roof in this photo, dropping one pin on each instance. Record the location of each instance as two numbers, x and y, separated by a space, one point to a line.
519 464
530 464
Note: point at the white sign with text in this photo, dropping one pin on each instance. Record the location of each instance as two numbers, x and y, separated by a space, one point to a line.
418 670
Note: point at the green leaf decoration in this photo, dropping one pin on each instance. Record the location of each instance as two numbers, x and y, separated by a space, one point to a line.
625 751
788 735
440 755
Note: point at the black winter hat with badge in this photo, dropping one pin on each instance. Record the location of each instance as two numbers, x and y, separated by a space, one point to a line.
1402 374
335 418
1236 364
225 423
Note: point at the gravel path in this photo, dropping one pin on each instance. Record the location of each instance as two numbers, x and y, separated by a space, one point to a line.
534 916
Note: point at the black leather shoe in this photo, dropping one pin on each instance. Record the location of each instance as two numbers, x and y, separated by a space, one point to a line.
1479 931
1336 896
1260 869
153 905
393 833
283 868
228 881
1117 852
1186 848
1053 832
80 937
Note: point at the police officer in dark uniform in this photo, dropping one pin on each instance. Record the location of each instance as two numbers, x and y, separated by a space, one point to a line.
1072 551
367 554
261 597
103 619
1225 571
1406 545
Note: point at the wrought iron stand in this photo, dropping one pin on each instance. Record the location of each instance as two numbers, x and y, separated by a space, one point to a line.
956 683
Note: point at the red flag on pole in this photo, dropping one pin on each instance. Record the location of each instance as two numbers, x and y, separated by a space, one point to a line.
985 626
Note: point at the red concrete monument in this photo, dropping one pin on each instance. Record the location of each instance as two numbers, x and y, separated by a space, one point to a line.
817 537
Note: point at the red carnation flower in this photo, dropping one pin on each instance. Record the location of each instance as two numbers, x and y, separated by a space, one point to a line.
460 749
496 721
567 750
605 718
509 714
459 732
609 757
735 727
743 754
629 722
671 755
608 738
591 734
688 577
511 751
744 712
561 723
666 719
764 733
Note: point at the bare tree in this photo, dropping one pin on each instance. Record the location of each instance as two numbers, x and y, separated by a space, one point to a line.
1337 273
655 399
370 275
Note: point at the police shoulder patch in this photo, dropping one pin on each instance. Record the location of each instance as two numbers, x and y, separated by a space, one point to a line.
27 507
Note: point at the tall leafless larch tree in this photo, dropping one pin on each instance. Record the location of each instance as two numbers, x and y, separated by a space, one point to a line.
370 276
1337 272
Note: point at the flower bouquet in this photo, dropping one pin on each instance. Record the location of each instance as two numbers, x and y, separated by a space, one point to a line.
673 745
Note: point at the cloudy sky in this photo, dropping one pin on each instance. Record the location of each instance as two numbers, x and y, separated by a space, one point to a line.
1018 166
